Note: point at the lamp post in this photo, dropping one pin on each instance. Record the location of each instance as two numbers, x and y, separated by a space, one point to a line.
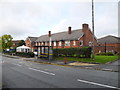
50 39
93 30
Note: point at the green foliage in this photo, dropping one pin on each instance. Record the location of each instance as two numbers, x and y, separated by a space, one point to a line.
25 54
6 41
98 59
73 52
22 42
106 54
0 44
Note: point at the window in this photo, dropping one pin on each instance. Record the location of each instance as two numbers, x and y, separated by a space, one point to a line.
90 43
74 43
54 43
42 43
60 43
81 42
36 43
67 43
39 43
45 43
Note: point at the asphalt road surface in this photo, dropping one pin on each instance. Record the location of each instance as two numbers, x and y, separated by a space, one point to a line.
17 73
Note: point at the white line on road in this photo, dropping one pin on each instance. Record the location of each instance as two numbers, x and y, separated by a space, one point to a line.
18 64
96 84
42 71
107 69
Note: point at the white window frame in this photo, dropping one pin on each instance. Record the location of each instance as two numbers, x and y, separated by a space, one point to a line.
55 43
42 43
81 42
46 43
90 43
67 43
36 44
74 43
60 43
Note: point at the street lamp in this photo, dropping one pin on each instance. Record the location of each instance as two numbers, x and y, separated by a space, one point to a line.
50 39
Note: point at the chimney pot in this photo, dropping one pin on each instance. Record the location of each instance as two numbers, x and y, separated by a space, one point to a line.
69 30
85 26
49 34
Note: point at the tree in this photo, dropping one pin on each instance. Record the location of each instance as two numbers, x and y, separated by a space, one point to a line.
0 44
6 42
22 42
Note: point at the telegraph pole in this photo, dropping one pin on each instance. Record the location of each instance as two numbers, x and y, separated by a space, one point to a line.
93 58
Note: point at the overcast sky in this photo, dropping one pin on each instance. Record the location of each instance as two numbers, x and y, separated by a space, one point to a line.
23 18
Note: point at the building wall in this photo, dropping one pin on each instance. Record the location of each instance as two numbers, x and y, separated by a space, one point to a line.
115 47
15 43
30 44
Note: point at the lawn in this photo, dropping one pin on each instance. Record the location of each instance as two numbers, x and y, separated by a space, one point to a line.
98 59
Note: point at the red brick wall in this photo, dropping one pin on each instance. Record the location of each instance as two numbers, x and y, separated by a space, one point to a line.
87 37
30 44
15 43
109 47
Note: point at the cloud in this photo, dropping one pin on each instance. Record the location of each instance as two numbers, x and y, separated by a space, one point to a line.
22 18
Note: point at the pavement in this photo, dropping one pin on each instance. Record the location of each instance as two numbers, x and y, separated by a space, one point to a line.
112 66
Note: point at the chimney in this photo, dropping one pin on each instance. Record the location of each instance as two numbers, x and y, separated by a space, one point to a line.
69 30
85 26
49 34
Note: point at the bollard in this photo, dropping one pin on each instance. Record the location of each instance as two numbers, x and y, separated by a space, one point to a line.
65 61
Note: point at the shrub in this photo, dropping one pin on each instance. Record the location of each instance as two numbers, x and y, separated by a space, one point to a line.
73 52
106 54
25 54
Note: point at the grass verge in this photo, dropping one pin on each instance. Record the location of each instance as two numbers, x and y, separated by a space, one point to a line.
98 59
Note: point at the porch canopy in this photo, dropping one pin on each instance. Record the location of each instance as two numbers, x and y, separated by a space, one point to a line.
23 49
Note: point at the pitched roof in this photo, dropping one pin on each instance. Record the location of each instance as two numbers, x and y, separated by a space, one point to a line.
32 39
109 39
62 36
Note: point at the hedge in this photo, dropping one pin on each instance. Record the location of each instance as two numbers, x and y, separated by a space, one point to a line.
25 54
73 52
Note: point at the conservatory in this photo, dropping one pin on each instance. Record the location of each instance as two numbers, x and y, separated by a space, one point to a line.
23 49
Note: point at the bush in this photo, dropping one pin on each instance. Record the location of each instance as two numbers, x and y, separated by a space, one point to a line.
106 54
73 52
25 54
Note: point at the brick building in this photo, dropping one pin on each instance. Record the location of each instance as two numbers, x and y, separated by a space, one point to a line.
108 44
75 38
70 38
30 42
15 43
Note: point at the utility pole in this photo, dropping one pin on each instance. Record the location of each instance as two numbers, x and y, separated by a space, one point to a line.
49 45
105 47
93 58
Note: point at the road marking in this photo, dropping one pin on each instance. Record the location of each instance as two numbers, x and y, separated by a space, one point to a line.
88 67
18 64
107 69
96 84
42 71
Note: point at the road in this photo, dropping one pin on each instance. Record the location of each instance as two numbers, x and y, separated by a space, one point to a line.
17 73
